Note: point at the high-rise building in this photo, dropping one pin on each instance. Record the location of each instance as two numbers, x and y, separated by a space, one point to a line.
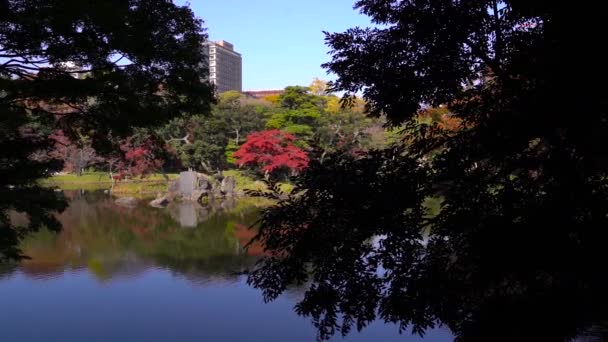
225 66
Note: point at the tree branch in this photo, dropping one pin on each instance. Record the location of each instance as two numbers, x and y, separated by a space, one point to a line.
493 64
184 139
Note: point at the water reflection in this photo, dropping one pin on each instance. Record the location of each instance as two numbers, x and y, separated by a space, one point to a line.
146 274
112 241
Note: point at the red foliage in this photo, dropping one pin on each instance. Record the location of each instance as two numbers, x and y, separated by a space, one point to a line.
139 158
271 150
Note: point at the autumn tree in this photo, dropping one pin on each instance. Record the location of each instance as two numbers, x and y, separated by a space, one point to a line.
270 152
142 155
94 68
319 87
516 249
75 155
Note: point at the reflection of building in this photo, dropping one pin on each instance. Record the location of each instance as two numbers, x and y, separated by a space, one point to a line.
225 66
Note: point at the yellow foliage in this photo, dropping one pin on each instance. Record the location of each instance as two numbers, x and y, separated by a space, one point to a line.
333 105
318 86
274 99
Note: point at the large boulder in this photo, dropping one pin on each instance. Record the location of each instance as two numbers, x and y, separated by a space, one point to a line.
126 202
228 185
188 182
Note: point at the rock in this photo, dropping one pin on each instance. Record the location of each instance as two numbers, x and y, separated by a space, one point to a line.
204 184
217 192
218 176
160 202
228 185
196 195
126 201
188 182
281 197
174 186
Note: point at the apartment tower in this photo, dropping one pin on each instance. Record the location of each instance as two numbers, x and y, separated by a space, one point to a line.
225 66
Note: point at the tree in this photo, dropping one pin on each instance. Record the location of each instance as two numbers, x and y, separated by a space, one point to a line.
298 112
142 155
318 87
344 130
202 141
91 68
297 97
271 151
322 120
301 122
518 243
76 156
240 117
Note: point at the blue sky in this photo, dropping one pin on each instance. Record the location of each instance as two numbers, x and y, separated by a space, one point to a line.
281 40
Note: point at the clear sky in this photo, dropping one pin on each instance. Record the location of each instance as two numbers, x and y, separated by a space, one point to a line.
281 40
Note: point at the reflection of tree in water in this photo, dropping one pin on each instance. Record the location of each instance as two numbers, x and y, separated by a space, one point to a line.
113 241
7 269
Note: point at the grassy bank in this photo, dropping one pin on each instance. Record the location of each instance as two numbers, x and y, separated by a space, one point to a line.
146 186
149 185
87 181
245 182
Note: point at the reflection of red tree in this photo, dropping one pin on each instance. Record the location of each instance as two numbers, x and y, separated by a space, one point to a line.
42 264
244 235
140 231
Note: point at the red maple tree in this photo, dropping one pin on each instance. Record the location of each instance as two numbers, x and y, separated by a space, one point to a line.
140 158
270 151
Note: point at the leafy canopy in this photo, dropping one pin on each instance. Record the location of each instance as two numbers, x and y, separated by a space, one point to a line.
206 141
516 248
95 69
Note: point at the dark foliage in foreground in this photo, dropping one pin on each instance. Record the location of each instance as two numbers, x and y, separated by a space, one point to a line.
93 69
518 249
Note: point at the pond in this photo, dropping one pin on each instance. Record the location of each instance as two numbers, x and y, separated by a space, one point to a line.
141 273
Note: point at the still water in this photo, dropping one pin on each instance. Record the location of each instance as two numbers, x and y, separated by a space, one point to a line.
146 274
